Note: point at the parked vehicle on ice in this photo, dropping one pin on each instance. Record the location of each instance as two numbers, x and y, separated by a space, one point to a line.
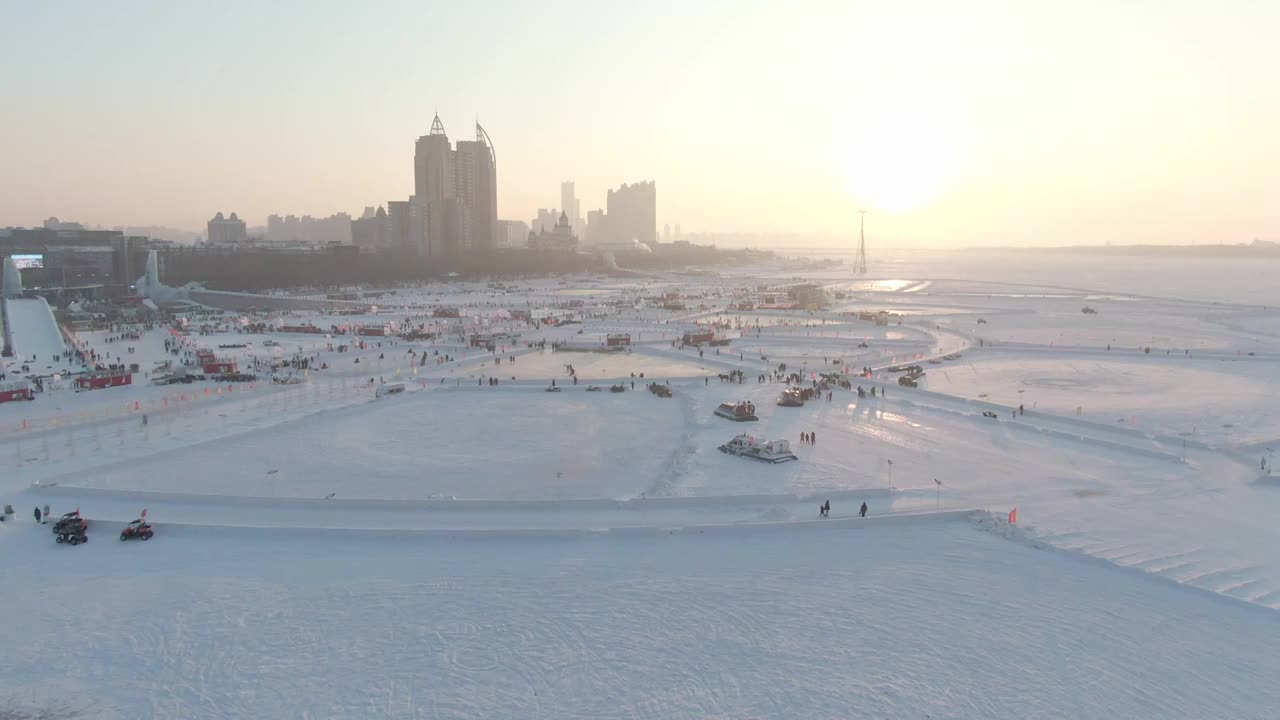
386 389
236 377
16 390
772 451
737 412
791 397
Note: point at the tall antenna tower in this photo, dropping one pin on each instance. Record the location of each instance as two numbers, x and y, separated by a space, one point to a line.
860 263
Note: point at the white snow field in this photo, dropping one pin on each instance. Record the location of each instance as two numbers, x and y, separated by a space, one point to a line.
463 442
925 619
465 549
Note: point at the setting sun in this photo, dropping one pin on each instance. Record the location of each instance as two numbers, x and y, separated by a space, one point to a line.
897 161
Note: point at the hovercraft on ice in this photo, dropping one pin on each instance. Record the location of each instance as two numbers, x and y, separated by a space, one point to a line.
773 451
737 412
791 397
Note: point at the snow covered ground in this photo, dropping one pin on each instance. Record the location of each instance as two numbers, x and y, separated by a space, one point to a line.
1222 400
465 549
935 620
467 442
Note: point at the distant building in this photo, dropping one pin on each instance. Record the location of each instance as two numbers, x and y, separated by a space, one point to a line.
60 258
54 223
399 222
456 191
513 233
666 233
434 190
569 204
477 190
677 233
227 230
595 231
307 230
546 220
372 230
558 239
632 214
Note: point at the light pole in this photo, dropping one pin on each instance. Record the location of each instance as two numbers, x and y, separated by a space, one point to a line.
938 505
890 476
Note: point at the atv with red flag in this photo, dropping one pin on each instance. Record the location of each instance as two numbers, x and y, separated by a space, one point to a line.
140 529
70 529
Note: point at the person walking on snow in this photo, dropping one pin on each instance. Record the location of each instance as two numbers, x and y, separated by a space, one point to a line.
862 511
45 519
37 515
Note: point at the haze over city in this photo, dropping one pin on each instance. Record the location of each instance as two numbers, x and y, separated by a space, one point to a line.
982 123
514 360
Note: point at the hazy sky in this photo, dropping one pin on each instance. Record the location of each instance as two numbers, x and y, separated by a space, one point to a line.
1020 122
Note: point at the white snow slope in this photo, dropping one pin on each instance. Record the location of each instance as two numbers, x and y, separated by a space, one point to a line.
34 331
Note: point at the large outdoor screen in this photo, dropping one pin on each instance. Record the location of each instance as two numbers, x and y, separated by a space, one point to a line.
25 262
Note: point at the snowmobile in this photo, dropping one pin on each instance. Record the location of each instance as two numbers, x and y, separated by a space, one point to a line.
72 531
140 529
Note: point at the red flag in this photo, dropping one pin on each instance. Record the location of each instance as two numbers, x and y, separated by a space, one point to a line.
1013 516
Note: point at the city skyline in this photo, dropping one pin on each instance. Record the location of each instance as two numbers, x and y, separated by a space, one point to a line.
989 124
